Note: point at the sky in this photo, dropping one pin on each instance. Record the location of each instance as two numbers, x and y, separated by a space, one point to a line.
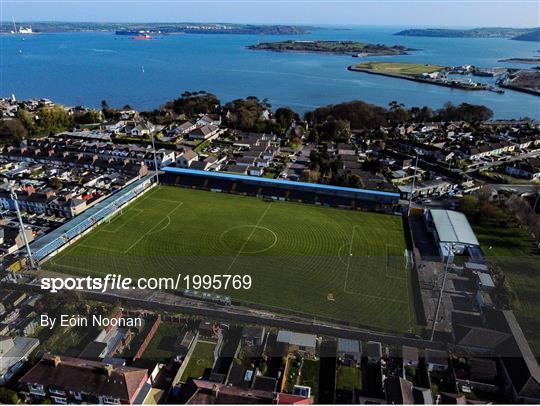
431 13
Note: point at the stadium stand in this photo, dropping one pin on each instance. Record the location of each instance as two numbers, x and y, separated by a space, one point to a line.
52 242
336 196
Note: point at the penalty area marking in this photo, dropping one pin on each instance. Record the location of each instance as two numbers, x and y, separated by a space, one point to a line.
348 266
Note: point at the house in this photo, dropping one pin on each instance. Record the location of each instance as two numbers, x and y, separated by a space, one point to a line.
183 129
13 355
255 171
422 396
138 128
374 351
410 356
398 391
349 349
297 342
528 168
200 165
436 360
76 380
239 169
204 133
253 335
198 392
209 119
185 159
11 238
245 161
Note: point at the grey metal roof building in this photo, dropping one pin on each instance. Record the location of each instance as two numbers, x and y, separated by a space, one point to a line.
346 346
299 339
453 227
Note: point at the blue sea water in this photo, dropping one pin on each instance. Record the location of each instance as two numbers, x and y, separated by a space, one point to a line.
85 68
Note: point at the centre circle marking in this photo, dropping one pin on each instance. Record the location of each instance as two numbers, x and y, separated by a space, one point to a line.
245 240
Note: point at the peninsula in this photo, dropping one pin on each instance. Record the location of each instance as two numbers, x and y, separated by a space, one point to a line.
518 34
162 28
352 48
425 73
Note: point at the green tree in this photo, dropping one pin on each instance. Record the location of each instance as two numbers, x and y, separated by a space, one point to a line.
285 116
53 120
25 118
8 396
56 183
88 117
12 131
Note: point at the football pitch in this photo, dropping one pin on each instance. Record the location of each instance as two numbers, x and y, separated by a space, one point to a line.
329 264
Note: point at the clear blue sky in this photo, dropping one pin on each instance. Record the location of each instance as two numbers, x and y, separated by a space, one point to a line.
472 13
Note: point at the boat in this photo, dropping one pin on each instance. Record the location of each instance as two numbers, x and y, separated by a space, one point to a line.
143 37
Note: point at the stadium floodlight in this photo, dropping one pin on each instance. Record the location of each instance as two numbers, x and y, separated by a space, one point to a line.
450 254
13 196
155 158
412 187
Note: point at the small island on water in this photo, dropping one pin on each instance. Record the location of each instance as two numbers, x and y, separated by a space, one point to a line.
352 48
533 61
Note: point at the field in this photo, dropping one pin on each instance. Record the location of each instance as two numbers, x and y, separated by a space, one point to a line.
333 264
515 252
201 359
399 68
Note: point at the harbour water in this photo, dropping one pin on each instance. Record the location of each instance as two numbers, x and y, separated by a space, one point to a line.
86 68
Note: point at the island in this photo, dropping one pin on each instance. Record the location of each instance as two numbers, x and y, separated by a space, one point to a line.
534 60
426 73
352 48
518 34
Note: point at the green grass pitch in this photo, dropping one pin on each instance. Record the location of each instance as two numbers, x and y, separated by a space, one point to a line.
326 263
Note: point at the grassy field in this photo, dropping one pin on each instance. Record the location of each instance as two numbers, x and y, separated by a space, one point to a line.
328 263
349 378
310 376
159 349
201 359
515 252
399 68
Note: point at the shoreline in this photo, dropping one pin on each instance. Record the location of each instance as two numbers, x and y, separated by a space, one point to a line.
352 68
352 55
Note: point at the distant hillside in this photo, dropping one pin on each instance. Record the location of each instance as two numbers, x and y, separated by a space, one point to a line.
163 28
529 36
498 32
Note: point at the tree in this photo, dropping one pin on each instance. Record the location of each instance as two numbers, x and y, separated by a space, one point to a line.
88 117
53 120
193 103
25 118
12 131
8 396
56 183
285 116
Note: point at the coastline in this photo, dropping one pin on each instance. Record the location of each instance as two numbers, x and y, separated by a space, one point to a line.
322 52
352 68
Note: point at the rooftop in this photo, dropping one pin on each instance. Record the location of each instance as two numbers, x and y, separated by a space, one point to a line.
453 227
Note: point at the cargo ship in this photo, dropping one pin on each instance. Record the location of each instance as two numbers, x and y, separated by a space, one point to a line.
142 37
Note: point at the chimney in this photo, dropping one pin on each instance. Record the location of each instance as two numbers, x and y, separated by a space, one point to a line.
215 390
57 360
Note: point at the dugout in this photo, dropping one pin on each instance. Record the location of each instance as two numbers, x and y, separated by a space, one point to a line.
277 189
